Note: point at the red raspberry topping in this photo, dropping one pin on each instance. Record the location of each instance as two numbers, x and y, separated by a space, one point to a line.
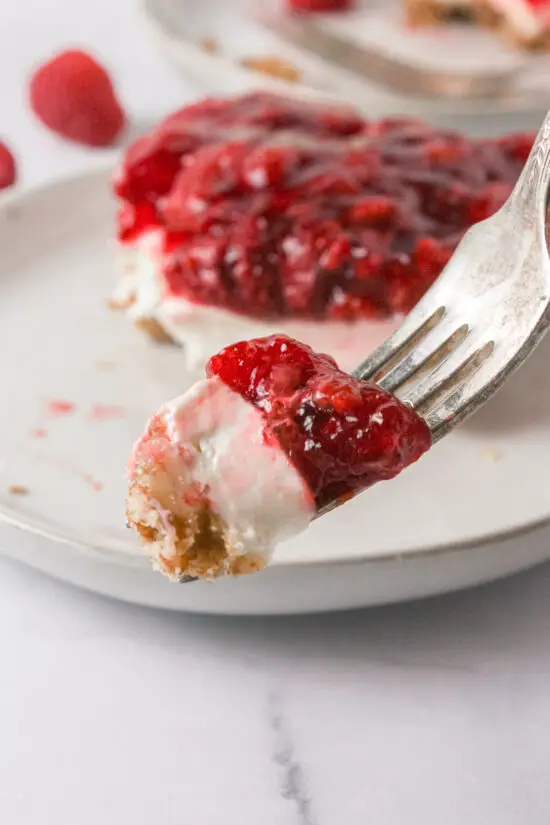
8 169
275 207
74 96
319 5
341 434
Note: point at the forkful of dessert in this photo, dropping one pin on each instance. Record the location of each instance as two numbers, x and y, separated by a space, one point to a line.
277 435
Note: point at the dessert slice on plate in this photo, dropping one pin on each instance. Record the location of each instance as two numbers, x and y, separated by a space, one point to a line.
274 436
270 210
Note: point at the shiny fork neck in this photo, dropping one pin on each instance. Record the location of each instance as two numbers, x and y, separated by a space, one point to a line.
488 309
530 195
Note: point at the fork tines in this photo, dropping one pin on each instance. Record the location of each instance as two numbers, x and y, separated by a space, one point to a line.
428 367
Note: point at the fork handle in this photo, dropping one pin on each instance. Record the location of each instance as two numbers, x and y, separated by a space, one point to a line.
534 182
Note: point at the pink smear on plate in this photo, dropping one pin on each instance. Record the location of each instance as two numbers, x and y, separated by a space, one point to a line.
105 412
67 467
59 406
97 486
38 433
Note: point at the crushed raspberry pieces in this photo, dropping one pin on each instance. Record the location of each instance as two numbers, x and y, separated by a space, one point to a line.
8 169
274 207
341 434
74 96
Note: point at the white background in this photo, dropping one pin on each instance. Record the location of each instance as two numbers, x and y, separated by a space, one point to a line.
436 713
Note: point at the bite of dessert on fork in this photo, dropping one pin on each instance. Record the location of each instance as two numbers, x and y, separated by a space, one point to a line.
275 436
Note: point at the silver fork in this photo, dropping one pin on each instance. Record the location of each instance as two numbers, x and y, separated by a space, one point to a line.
484 315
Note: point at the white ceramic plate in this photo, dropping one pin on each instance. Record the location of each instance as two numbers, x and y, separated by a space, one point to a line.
179 28
475 508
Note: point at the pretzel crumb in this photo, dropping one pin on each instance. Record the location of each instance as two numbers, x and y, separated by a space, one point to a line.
18 490
273 66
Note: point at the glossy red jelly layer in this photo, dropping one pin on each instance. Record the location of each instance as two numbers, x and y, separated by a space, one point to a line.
537 4
341 434
273 207
319 5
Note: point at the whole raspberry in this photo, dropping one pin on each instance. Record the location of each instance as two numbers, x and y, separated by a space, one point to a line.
74 96
8 171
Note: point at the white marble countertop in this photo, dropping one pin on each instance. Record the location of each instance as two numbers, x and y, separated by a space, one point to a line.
434 713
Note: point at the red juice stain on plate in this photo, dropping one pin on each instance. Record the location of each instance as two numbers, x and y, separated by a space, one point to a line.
69 468
97 486
60 406
38 433
105 412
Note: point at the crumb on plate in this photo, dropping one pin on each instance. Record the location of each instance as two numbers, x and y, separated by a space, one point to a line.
491 454
210 44
273 66
18 490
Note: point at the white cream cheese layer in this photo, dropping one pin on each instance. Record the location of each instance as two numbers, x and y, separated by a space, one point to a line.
220 456
204 330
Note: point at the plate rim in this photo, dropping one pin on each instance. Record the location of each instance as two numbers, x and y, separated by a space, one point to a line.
425 106
9 515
